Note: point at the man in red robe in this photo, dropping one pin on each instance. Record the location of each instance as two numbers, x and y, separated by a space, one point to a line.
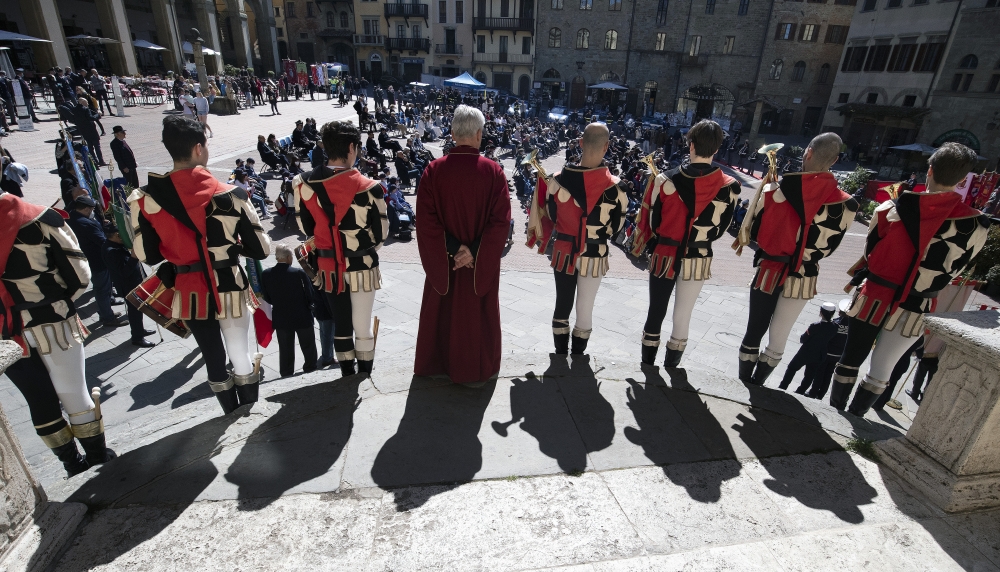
462 229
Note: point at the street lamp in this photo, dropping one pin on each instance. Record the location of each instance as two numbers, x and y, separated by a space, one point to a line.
199 60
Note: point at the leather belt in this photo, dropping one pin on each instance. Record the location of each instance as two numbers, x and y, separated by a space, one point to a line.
328 253
882 281
927 295
571 238
198 266
773 258
691 244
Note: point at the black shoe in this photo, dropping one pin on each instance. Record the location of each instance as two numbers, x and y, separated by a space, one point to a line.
119 320
96 449
579 345
149 332
228 399
862 402
761 372
839 394
248 386
365 366
916 396
143 343
649 354
562 343
673 358
72 460
746 370
347 368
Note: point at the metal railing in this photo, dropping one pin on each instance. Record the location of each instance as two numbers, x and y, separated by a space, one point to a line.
402 44
369 40
408 10
454 49
501 58
517 24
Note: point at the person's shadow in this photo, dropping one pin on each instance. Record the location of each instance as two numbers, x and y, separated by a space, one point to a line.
675 425
437 442
162 388
300 442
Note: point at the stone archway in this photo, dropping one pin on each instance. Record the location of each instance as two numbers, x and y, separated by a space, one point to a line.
266 42
578 92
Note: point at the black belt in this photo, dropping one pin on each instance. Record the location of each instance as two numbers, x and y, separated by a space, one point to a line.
198 266
927 295
326 253
691 244
771 257
882 281
571 238
38 304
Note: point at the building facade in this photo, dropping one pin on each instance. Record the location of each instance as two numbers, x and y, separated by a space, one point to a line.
451 30
504 44
320 31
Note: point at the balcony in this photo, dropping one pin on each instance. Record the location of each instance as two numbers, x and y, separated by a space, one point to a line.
694 61
501 58
404 44
409 10
335 33
368 40
515 24
449 49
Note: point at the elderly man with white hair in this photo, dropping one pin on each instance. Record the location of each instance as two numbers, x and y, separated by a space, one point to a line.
462 230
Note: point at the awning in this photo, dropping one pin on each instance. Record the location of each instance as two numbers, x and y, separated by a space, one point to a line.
6 36
875 110
85 40
418 84
608 85
925 149
186 46
464 80
147 45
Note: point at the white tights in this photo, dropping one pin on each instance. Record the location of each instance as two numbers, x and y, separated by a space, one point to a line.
586 295
785 314
889 347
68 373
685 297
236 336
362 304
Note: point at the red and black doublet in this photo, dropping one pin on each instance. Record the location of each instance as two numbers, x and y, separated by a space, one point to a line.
683 212
795 224
916 245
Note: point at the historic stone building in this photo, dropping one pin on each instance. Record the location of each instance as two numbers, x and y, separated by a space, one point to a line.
451 32
320 31
407 39
371 57
503 32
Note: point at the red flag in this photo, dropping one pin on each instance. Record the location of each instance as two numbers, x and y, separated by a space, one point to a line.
262 326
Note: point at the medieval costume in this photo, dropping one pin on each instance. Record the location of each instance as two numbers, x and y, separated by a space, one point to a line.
345 213
199 227
463 200
42 273
795 224
683 212
916 245
585 208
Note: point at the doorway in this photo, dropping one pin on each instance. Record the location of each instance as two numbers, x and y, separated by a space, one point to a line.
503 81
810 122
524 86
578 93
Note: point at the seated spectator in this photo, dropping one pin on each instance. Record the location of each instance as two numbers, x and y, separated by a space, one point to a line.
406 170
269 157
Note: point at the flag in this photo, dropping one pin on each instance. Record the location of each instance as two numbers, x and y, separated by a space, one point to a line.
262 326
643 229
539 224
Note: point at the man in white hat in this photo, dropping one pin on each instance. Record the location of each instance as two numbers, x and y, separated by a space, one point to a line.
814 343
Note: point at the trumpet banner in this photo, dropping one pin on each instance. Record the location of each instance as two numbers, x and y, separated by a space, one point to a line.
643 227
539 224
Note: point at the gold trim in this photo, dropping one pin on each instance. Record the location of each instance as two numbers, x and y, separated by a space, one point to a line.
50 423
582 334
343 356
71 415
246 379
57 439
220 386
91 429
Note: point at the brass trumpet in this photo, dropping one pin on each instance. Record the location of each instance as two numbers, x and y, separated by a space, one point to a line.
532 160
648 160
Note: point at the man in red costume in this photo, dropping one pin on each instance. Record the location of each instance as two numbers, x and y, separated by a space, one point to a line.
584 206
198 228
683 212
796 224
916 245
464 208
344 212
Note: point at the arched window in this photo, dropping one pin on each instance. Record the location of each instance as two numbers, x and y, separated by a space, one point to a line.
583 38
611 76
969 62
775 70
329 20
611 40
798 71
555 38
557 4
343 20
824 74
481 76
650 85
551 73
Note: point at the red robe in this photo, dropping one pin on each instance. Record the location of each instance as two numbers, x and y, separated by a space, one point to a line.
462 199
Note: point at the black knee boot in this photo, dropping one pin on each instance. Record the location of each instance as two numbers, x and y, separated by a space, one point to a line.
580 339
650 347
560 335
247 387
225 392
675 351
840 391
365 366
865 397
347 367
748 360
765 365
58 436
72 460
91 437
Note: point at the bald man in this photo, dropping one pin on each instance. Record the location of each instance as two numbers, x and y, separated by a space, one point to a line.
796 223
584 207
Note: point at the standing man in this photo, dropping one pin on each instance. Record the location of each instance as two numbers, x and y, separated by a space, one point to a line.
916 245
42 273
126 275
290 294
90 234
124 156
585 207
344 212
464 219
100 90
198 228
796 224
29 96
86 120
683 212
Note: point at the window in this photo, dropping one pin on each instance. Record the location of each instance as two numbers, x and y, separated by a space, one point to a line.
872 98
460 12
415 30
969 62
695 48
710 6
909 101
583 38
661 42
842 98
744 7
481 44
611 40
289 9
330 20
280 32
878 56
846 2
586 4
661 12
727 47
809 33
557 4
775 72
961 82
443 11
967 82
785 32
930 53
919 2
798 71
902 55
854 58
343 20
309 9
994 83
400 31
277 12
555 38
894 3
824 74
504 8
304 35
836 34
615 5
526 45
869 5
371 27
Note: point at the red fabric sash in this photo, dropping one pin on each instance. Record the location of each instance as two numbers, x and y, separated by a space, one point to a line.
14 213
341 189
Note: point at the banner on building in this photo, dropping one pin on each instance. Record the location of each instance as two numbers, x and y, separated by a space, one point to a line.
302 73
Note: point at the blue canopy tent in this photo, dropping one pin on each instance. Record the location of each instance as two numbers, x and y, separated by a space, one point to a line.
465 80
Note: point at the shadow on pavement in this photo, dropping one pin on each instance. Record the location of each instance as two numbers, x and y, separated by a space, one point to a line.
161 388
593 415
300 442
437 442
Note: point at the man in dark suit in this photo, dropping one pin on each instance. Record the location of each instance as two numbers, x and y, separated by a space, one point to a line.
125 275
124 156
90 233
290 293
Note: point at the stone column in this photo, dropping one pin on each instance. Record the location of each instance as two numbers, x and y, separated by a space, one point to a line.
114 25
758 113
43 21
169 36
208 24
34 530
267 41
952 451
241 32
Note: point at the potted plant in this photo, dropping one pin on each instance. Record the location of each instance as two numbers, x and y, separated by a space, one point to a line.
986 264
992 288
